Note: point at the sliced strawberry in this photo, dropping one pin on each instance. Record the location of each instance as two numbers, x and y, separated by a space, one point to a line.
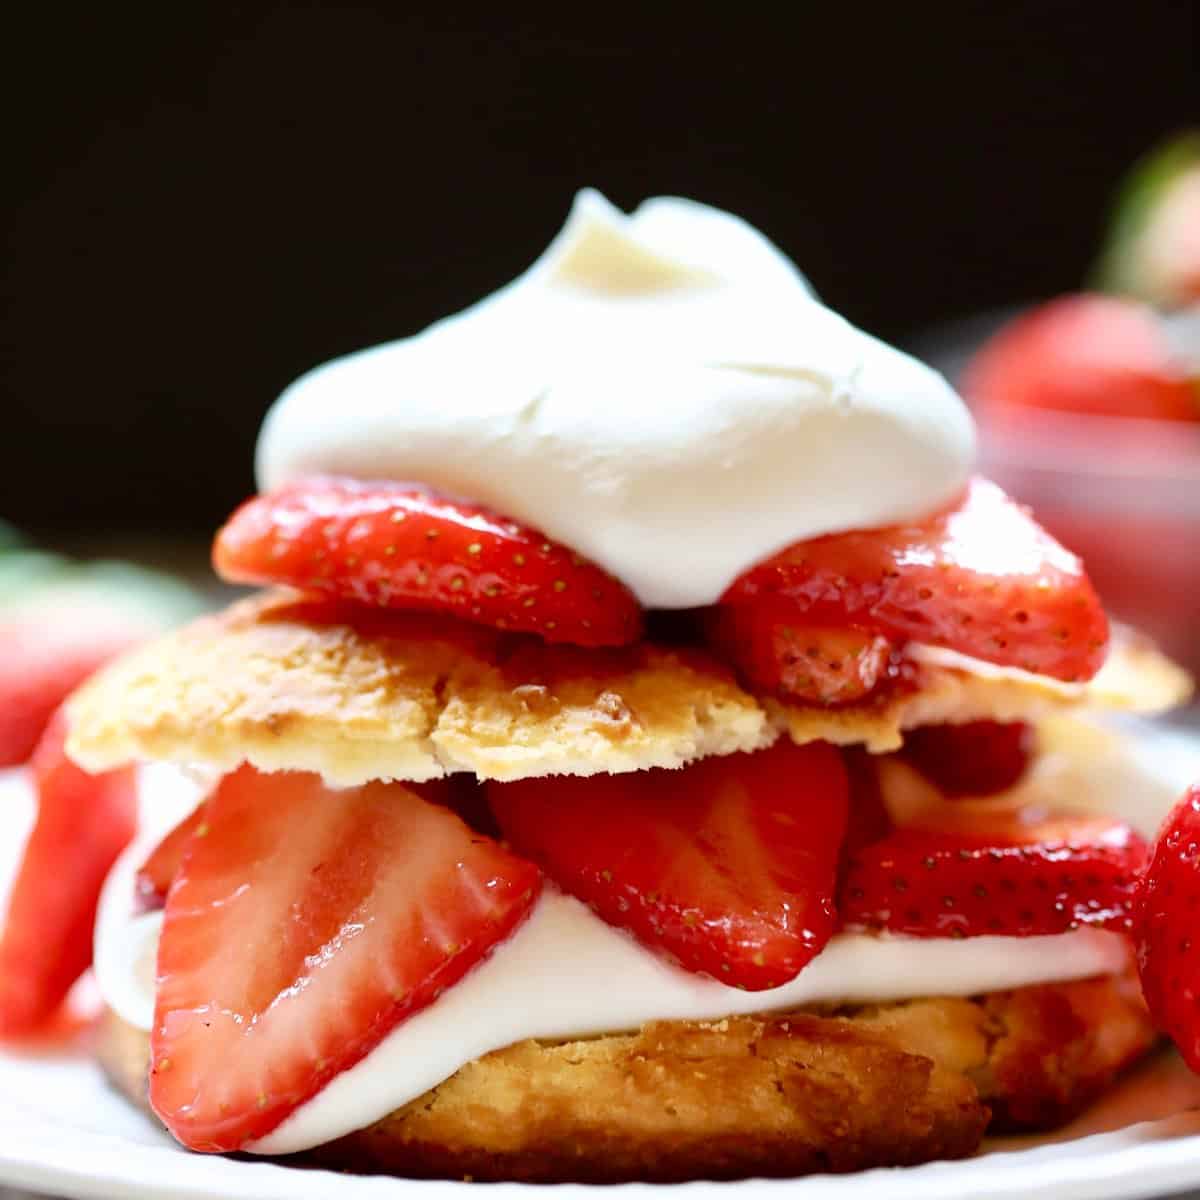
818 666
1009 878
727 866
982 578
1091 354
302 926
157 873
869 820
1165 930
397 546
43 658
979 758
83 822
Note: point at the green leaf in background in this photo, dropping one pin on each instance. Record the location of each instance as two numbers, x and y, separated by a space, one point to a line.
1122 266
159 600
37 579
22 571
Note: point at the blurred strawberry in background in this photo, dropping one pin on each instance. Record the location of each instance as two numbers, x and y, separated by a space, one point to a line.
1089 405
83 822
1085 354
59 621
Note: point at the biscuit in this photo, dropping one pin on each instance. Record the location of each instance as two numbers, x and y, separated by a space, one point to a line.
417 699
784 1094
407 696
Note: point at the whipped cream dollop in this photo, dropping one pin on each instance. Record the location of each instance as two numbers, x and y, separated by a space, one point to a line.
565 973
661 392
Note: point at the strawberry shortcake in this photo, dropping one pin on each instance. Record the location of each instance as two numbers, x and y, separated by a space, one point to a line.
652 755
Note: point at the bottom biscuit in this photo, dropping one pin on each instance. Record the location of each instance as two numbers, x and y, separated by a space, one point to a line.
780 1095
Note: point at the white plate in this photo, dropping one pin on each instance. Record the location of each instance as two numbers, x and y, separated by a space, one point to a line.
63 1131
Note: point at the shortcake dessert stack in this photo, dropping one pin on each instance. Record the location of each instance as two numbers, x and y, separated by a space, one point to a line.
654 756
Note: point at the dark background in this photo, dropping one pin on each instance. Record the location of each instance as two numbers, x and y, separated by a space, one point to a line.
203 201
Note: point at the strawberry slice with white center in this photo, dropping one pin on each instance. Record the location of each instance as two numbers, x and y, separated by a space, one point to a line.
157 873
1001 874
727 866
391 545
301 927
1165 928
83 822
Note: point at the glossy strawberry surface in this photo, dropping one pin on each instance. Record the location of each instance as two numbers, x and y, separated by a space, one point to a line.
1007 876
302 924
1167 928
981 578
395 546
817 665
727 866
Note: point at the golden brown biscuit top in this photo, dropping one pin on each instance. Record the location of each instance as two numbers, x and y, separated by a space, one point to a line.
361 696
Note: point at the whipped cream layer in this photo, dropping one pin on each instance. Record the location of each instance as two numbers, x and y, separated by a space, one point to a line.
661 392
564 974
